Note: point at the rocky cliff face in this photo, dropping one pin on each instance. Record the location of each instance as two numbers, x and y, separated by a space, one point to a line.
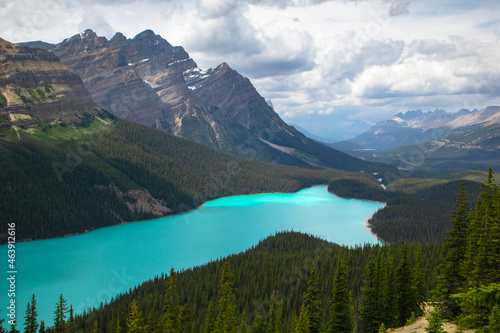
37 90
147 80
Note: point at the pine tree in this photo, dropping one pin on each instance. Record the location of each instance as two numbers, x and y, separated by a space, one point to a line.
382 328
420 284
170 321
134 321
226 318
13 329
60 314
407 304
151 322
482 262
209 319
96 329
274 323
381 283
184 319
369 313
70 325
118 328
340 318
33 315
260 321
244 328
478 304
435 323
390 298
492 237
312 302
27 320
302 325
42 327
452 280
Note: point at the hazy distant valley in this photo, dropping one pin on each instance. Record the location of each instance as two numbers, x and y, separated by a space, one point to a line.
433 140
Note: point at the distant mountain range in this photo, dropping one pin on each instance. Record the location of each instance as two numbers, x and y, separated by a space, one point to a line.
459 140
147 80
313 136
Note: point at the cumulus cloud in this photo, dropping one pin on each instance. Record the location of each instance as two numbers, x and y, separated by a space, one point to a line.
432 68
223 35
96 20
346 60
288 52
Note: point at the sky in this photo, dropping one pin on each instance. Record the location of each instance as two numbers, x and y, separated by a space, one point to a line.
332 67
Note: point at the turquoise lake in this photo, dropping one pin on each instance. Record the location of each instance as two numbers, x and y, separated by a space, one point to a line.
91 268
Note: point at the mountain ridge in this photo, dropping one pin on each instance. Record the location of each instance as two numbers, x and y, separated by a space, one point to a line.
435 139
422 126
147 80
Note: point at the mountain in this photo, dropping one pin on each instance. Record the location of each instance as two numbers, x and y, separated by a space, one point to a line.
147 80
412 127
68 166
36 90
435 139
471 141
311 135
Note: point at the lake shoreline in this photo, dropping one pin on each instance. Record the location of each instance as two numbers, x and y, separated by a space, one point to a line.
110 261
367 224
151 219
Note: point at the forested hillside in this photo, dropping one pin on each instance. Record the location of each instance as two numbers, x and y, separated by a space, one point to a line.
110 170
417 209
469 285
293 282
69 179
268 285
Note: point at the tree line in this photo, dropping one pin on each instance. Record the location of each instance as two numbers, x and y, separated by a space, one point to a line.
292 282
469 285
417 210
286 281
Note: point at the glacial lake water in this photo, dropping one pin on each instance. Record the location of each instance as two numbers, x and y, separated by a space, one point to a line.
94 267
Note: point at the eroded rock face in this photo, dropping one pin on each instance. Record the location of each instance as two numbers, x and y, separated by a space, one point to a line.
37 89
139 79
147 80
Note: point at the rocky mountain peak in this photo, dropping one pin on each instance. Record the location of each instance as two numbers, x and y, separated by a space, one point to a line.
89 33
118 40
147 80
150 44
463 112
